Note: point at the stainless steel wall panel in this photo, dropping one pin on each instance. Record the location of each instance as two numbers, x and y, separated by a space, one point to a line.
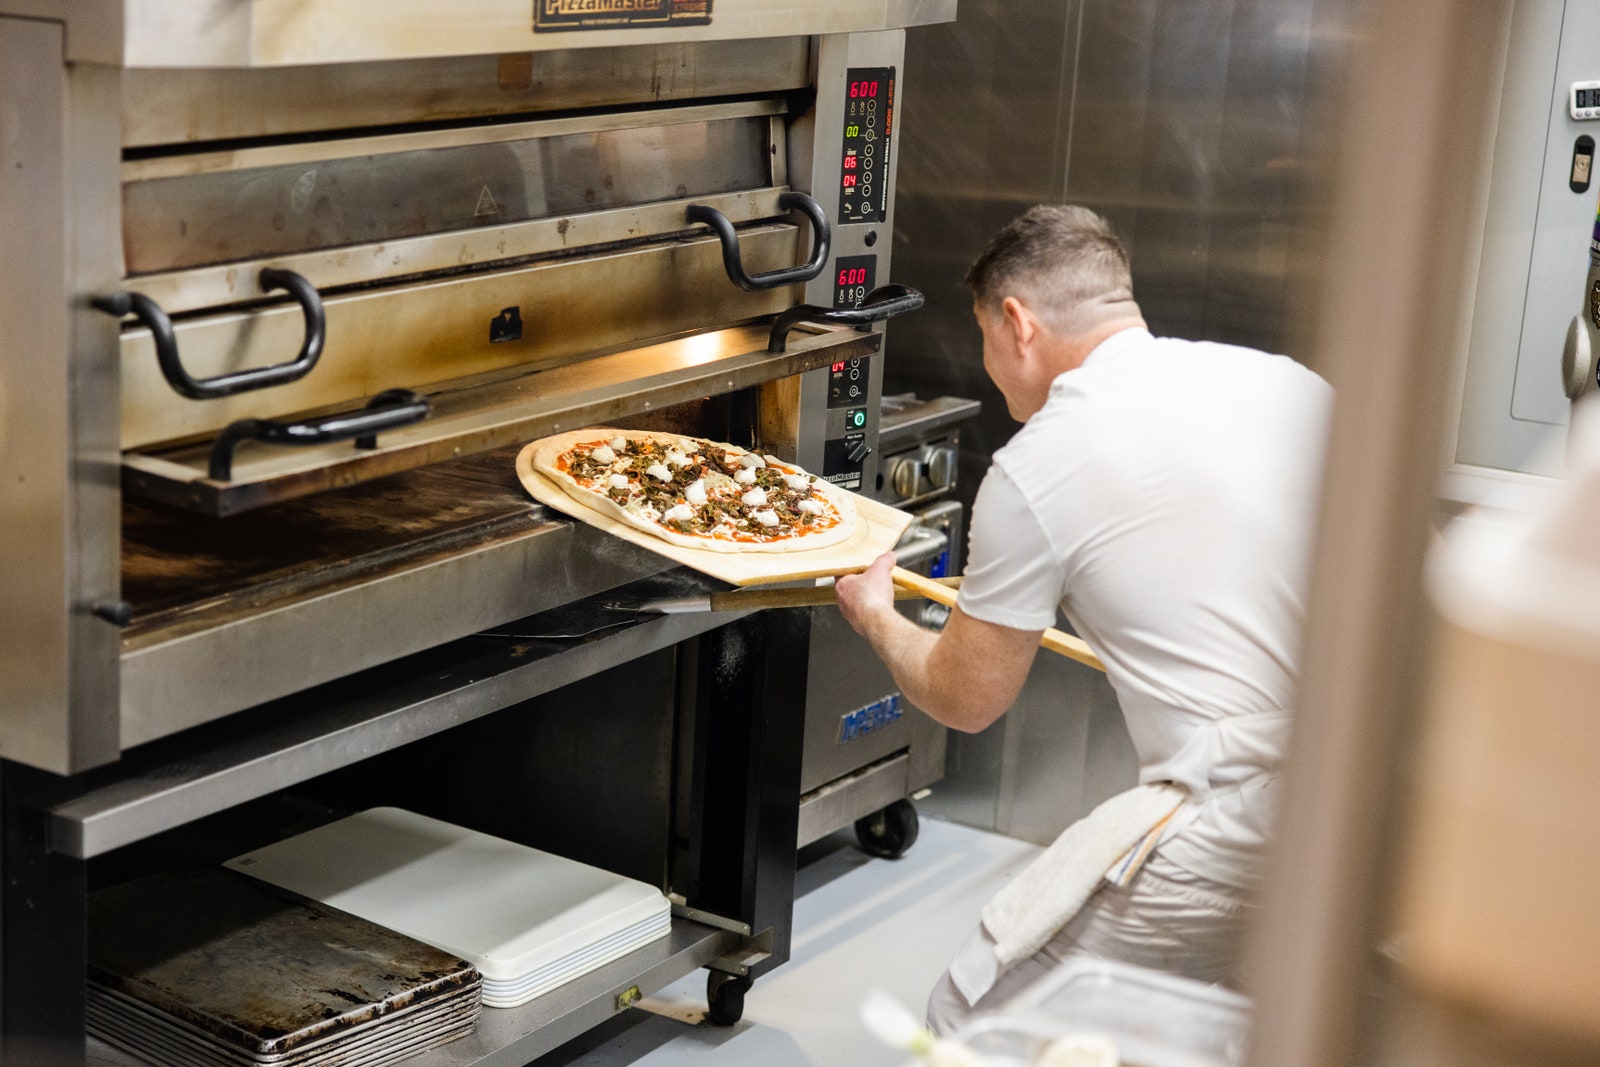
1197 129
1065 751
1187 127
58 486
983 109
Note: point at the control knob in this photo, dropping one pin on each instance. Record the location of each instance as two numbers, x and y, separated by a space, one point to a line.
904 476
941 466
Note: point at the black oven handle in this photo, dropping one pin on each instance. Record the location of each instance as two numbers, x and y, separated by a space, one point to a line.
821 240
389 410
149 313
884 302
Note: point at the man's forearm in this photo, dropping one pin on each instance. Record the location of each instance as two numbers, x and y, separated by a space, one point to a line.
964 676
907 650
911 654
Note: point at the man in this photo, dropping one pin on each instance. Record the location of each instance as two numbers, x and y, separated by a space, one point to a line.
1162 493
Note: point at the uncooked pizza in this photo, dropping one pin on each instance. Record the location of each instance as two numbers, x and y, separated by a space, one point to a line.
697 493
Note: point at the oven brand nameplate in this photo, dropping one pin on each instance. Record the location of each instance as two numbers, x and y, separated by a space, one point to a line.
555 15
870 719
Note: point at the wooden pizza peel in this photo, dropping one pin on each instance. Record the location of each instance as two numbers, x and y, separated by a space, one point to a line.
879 528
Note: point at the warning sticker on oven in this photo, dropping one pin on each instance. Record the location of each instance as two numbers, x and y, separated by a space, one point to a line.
551 15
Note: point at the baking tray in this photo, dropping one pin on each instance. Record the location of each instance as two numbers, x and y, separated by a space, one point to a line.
215 961
129 1025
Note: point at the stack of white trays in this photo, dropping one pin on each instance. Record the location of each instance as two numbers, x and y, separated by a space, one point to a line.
528 920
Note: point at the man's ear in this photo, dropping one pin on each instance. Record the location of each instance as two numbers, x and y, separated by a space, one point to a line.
1022 323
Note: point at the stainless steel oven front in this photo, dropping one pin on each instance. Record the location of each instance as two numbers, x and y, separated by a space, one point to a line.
272 254
286 288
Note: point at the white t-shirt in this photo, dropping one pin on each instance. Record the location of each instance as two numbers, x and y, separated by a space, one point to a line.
1164 497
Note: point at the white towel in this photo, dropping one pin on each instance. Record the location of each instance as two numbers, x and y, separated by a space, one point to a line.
1111 842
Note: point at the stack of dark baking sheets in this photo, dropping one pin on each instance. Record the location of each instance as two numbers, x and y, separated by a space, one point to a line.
209 968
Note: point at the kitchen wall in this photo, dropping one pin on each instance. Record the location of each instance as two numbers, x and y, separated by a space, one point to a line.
1198 127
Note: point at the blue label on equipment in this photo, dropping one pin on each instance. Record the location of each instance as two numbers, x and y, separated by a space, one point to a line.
874 716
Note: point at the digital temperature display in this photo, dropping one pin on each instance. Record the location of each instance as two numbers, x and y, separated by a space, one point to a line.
853 279
864 163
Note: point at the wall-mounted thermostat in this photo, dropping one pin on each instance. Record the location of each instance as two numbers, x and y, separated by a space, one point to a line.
1583 102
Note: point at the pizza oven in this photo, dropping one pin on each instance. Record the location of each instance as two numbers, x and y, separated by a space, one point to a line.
289 286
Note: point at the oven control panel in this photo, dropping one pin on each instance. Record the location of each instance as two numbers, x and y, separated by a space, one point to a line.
845 447
868 125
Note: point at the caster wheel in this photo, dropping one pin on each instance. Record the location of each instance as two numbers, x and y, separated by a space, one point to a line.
725 997
890 832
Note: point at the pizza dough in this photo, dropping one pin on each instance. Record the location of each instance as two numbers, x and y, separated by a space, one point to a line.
696 493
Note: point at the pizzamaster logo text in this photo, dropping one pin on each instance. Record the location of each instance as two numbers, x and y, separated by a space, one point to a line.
558 8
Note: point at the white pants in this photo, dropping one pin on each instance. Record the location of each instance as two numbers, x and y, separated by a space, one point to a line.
1166 919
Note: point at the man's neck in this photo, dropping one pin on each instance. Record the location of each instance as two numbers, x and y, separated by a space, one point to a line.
1075 349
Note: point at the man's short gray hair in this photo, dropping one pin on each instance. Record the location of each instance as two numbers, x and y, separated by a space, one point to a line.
1063 261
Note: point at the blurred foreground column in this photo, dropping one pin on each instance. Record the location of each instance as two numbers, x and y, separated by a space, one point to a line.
1496 927
1418 106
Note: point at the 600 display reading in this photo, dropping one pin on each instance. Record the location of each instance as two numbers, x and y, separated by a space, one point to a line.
854 280
864 162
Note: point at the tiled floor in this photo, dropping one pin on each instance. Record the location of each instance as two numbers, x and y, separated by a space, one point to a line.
860 924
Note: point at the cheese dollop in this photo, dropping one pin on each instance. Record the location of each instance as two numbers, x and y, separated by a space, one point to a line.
659 472
617 481
679 513
766 518
751 461
755 497
603 454
797 482
745 476
619 442
695 492
814 507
